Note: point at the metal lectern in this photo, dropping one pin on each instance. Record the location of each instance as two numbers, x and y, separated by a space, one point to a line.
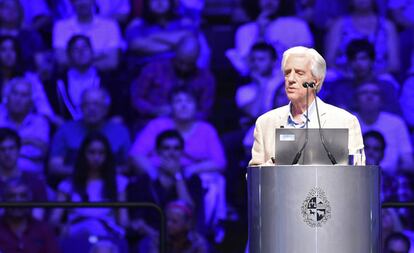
315 208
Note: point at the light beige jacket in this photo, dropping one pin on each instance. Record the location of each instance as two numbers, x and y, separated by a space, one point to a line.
330 116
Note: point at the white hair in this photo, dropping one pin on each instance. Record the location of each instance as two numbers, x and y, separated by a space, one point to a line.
317 62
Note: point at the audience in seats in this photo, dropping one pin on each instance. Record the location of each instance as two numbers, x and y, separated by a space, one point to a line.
68 138
398 151
81 74
34 130
11 67
94 179
363 21
160 30
151 90
170 184
104 33
181 236
280 31
341 91
10 143
203 152
19 230
12 19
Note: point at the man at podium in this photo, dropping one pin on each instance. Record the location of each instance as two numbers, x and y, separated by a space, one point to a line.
304 71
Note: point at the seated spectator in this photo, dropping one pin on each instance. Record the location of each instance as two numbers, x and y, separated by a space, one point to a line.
363 21
17 113
156 35
405 193
11 24
180 235
19 231
256 97
150 91
206 161
68 138
10 144
80 75
398 151
94 179
360 55
280 31
390 223
374 147
397 242
170 183
105 35
11 67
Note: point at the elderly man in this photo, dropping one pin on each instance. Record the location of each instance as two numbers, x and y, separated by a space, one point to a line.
95 103
302 65
18 113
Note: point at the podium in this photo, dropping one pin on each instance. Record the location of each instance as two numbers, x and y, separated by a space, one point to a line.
314 209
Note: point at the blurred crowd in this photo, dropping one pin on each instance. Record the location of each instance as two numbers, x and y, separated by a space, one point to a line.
155 101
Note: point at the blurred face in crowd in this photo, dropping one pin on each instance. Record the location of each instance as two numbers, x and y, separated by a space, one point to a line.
17 193
374 150
83 8
404 188
19 100
96 154
8 55
297 70
159 7
361 65
170 148
177 222
369 97
397 246
10 12
81 54
261 62
183 106
270 6
94 106
9 153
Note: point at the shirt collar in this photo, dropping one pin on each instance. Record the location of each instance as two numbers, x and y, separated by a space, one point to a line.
292 123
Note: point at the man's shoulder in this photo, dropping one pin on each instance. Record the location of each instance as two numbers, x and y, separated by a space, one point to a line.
337 111
273 116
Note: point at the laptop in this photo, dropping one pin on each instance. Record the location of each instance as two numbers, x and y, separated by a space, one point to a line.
290 140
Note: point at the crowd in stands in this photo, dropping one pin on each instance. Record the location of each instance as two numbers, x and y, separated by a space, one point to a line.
128 100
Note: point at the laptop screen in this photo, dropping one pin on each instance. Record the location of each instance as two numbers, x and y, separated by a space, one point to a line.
290 140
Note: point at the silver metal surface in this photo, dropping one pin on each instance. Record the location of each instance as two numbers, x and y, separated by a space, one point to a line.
276 222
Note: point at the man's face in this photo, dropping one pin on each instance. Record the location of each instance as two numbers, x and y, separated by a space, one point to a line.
94 107
374 151
81 54
176 222
369 97
261 63
183 106
297 71
19 101
170 148
8 54
9 153
361 65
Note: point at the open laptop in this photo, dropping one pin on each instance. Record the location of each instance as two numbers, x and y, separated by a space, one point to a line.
290 140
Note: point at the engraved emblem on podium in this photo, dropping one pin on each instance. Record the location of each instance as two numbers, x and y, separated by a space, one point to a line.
316 209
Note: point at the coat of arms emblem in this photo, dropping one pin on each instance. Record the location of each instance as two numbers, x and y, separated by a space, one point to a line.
316 209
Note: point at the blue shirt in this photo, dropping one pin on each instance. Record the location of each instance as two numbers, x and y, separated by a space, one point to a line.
291 123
